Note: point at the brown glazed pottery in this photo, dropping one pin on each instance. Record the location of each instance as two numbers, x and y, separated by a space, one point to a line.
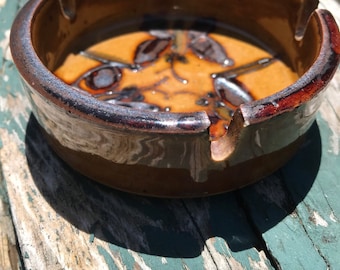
169 154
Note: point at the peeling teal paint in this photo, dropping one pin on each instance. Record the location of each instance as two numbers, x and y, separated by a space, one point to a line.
3 189
91 238
29 197
107 257
26 256
34 192
157 261
124 255
242 257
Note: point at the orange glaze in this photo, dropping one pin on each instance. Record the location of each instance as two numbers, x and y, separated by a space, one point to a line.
159 85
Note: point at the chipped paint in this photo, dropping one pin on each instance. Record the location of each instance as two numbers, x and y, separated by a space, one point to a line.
259 265
207 260
4 45
30 228
139 260
3 104
332 217
91 239
164 261
318 220
2 3
330 113
29 197
117 256
108 259
224 260
234 264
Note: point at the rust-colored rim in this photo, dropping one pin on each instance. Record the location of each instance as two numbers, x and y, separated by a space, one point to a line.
310 84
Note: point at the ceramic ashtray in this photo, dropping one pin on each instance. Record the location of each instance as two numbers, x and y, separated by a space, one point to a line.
175 98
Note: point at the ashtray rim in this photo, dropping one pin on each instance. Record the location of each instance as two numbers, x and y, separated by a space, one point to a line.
53 88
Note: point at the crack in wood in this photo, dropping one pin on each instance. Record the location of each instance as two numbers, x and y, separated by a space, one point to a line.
310 238
200 233
261 242
10 257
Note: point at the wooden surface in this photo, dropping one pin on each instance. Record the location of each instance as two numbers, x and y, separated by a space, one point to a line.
53 218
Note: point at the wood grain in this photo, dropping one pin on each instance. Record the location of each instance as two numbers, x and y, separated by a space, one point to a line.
9 257
63 220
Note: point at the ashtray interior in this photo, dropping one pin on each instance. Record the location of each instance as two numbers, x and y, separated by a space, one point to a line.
166 57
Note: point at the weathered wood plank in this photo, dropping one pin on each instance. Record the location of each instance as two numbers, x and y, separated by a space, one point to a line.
271 202
120 230
9 257
307 190
306 194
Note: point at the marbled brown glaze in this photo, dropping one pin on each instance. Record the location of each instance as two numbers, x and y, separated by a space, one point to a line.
261 137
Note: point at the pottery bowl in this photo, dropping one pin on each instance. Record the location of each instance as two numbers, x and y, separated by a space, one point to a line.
170 154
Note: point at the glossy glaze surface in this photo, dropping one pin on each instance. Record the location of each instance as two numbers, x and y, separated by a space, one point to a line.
81 128
178 71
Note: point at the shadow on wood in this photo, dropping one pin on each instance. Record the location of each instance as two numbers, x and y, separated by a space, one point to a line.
171 227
